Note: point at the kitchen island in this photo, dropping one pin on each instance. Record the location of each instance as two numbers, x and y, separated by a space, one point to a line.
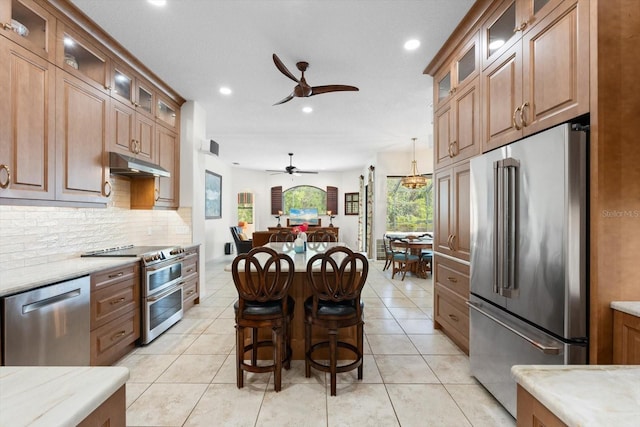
62 396
578 395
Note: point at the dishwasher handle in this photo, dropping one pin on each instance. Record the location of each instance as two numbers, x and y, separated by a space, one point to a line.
28 308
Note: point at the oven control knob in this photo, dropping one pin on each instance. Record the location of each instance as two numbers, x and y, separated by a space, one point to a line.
176 251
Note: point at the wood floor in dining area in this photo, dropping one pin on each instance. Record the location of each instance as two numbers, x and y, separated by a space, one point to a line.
413 374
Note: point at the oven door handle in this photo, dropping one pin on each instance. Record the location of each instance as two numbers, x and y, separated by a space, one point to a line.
165 264
154 298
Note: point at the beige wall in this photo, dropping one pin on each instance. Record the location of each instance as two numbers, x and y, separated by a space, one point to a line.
32 235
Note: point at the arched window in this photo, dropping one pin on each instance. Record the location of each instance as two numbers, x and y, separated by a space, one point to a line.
305 196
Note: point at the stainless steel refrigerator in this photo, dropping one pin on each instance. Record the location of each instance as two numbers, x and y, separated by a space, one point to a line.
528 302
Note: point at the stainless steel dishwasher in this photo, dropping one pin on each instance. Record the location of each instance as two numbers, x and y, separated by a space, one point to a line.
48 326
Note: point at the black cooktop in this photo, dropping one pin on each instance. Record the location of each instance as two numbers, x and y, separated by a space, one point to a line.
124 251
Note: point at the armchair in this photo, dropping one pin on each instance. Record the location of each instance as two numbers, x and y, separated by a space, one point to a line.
243 246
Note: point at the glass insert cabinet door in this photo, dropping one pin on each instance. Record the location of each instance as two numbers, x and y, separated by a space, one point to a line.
28 24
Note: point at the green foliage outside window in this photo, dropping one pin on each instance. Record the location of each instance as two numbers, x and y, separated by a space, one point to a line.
245 213
409 210
305 196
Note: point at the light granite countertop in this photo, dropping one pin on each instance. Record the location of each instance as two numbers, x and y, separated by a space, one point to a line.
585 395
23 279
55 396
629 307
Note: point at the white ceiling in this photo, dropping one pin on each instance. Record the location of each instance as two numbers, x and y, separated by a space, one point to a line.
197 46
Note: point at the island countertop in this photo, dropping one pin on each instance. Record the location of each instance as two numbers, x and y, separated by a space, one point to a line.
55 395
629 307
585 395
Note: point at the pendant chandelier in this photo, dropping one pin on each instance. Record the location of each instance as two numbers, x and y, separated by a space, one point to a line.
414 180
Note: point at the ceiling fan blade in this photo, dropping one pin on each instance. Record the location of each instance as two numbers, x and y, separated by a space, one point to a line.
316 90
299 171
275 170
283 69
287 99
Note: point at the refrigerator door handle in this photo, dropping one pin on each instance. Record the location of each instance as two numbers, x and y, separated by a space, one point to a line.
498 220
543 348
511 167
505 192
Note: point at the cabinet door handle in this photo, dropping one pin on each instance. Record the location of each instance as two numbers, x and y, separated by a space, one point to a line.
106 188
453 317
118 274
522 119
157 194
6 183
513 119
118 335
190 292
521 27
117 301
6 26
453 245
454 144
190 270
452 279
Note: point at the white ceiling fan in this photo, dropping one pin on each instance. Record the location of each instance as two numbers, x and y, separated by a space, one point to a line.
291 170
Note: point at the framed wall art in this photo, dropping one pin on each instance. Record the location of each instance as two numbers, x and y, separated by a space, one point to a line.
212 195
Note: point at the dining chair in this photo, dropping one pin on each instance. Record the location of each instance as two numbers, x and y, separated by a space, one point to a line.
336 278
322 236
262 278
282 236
403 259
388 252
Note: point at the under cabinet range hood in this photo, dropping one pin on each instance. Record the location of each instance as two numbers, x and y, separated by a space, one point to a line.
121 164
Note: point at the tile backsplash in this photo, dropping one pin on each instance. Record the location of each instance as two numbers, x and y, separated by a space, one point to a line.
31 235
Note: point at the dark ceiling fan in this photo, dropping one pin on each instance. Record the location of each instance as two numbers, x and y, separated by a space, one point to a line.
302 89
291 170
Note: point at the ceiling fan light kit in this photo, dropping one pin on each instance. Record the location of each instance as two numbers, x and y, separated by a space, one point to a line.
414 179
302 88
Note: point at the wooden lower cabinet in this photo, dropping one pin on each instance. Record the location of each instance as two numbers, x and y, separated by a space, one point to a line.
532 413
115 313
626 339
191 275
451 293
112 412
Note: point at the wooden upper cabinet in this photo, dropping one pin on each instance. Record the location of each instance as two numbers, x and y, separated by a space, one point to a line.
77 55
38 31
168 113
27 124
463 68
452 222
168 158
131 89
457 117
540 79
82 114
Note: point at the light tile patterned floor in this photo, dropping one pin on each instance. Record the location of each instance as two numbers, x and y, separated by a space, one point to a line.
413 374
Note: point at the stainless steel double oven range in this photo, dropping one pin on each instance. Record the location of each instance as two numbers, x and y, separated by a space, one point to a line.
162 285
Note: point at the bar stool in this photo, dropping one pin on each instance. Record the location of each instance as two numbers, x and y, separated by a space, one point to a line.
262 278
336 282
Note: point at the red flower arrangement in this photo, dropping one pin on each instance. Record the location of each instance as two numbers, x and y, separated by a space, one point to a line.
302 228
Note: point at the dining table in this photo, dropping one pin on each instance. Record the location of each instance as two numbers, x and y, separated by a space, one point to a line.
416 246
300 290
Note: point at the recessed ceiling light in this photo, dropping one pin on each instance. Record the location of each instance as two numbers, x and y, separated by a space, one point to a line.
307 110
412 44
225 90
158 3
496 44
